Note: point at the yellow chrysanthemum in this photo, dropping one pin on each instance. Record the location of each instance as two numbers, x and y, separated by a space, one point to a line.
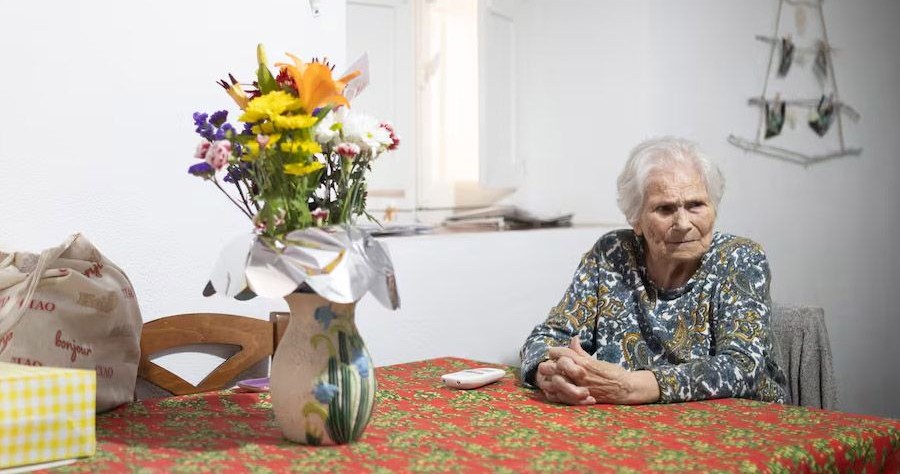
306 146
299 169
291 122
252 153
265 128
253 147
273 139
269 106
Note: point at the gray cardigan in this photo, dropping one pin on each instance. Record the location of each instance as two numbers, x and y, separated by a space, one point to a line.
803 352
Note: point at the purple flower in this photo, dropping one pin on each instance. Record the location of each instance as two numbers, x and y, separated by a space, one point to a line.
206 132
201 169
218 118
223 132
237 172
204 128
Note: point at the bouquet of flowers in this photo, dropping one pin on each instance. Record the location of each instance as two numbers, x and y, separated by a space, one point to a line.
300 157
296 167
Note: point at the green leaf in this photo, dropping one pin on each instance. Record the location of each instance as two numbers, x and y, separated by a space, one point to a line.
323 112
266 80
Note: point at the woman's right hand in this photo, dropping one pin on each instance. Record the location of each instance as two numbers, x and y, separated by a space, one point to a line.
557 387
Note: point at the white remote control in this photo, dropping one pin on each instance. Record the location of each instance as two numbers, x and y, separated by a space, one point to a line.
472 378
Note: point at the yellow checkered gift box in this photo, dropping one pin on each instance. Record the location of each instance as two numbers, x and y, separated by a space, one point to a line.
46 414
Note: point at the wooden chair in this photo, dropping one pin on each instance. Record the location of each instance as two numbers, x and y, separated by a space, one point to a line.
257 340
279 322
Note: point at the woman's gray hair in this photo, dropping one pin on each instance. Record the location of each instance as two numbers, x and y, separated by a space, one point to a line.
659 152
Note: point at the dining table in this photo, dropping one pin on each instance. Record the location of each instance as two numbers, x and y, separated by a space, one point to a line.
420 425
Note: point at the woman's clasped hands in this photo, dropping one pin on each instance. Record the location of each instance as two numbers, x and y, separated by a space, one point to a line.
574 377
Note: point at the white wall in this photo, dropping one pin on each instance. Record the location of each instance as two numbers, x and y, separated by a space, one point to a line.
476 296
596 77
96 133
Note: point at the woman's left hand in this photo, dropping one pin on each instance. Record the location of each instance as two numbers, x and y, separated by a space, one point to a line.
606 382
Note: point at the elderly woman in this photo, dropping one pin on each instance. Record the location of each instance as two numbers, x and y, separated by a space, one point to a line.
667 311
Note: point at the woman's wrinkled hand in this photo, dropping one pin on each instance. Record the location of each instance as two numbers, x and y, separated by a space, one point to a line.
557 388
572 371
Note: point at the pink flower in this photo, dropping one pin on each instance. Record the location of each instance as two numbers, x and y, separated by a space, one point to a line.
262 225
320 215
218 154
202 148
394 138
263 140
259 224
347 150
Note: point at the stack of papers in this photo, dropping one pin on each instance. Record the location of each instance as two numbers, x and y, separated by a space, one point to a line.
384 230
505 217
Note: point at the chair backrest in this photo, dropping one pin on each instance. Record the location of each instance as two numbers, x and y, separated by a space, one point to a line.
255 337
803 352
279 322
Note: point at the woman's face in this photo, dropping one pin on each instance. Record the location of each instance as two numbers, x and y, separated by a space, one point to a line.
677 217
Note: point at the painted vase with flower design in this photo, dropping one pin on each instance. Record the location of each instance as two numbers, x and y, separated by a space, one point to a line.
322 383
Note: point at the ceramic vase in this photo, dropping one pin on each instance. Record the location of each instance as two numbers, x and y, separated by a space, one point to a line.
322 380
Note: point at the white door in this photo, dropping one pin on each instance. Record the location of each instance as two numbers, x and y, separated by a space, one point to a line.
499 163
383 29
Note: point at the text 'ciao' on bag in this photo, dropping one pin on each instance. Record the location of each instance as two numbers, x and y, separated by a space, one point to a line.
71 307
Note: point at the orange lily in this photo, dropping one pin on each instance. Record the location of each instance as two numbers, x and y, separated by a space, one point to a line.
315 86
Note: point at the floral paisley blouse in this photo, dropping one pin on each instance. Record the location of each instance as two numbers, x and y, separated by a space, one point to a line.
707 339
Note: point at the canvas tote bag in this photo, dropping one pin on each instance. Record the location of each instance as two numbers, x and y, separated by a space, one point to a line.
71 307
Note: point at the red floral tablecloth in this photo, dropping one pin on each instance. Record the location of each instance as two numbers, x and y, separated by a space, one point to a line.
421 426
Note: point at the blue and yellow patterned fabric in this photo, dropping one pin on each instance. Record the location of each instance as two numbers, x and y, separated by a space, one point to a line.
707 339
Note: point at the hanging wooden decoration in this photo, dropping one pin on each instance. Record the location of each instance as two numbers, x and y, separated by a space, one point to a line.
800 66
